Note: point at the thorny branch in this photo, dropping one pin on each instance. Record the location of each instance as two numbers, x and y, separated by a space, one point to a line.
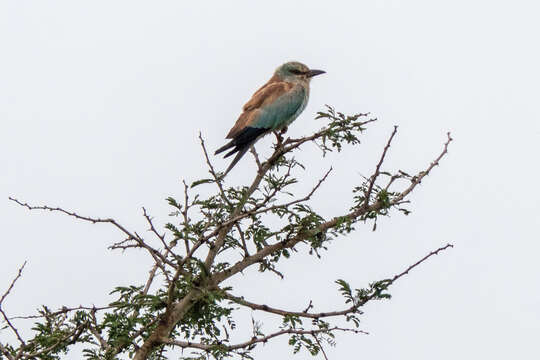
75 215
256 157
4 296
319 315
185 213
377 172
6 293
62 311
418 178
283 312
186 344
217 179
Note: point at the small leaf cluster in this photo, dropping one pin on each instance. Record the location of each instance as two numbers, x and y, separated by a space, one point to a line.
55 333
375 291
342 129
204 317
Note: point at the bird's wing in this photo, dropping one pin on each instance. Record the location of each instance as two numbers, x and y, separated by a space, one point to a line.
270 107
267 94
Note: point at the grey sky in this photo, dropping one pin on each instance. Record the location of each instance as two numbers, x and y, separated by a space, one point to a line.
101 103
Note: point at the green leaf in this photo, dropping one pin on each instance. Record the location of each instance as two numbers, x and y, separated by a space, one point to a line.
202 181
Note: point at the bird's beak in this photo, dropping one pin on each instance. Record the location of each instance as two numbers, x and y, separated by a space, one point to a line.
312 73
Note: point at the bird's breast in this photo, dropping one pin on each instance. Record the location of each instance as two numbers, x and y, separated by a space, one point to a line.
302 107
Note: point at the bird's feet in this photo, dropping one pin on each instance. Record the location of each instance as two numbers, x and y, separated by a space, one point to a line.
279 135
279 138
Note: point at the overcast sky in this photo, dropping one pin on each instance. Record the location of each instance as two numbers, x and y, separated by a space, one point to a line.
101 103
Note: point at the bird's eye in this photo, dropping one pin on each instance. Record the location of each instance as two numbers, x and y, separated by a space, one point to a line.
297 72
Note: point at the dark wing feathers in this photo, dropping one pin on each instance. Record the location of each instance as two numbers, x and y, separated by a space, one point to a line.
241 144
245 138
249 139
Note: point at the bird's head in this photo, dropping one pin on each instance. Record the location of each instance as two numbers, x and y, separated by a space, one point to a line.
294 71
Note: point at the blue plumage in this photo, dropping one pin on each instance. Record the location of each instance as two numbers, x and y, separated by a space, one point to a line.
283 111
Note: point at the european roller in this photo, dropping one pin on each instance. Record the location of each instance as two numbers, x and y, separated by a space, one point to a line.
272 108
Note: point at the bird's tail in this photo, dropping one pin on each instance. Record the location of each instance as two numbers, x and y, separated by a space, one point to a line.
241 152
241 143
228 145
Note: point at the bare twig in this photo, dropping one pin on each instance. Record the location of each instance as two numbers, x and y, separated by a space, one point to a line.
4 296
161 237
255 340
256 156
282 312
242 238
121 245
64 310
149 281
142 244
75 215
405 272
185 213
309 307
19 274
376 174
434 252
12 327
217 179
151 276
93 329
418 178
320 346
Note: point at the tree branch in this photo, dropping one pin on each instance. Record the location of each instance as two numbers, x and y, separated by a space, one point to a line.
255 340
4 296
305 314
320 346
406 271
6 293
93 329
75 215
155 232
217 180
273 310
63 310
418 178
376 174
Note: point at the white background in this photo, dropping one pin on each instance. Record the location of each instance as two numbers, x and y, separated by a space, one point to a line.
101 103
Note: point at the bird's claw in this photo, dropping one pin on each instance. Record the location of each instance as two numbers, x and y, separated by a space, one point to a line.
279 135
279 138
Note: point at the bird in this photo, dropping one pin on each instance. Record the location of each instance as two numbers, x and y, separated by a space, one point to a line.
271 108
